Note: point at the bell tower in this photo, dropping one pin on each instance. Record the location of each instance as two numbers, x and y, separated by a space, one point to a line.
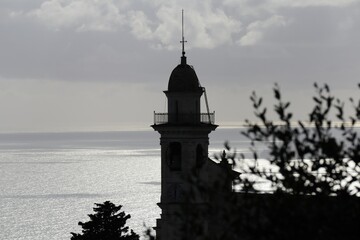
184 139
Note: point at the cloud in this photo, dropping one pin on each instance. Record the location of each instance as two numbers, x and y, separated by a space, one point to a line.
214 28
255 30
208 23
158 21
167 26
140 25
208 27
254 7
313 3
83 15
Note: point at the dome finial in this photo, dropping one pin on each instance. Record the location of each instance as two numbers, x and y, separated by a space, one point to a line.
183 58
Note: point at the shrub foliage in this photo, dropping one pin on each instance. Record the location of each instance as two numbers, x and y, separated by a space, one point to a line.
106 224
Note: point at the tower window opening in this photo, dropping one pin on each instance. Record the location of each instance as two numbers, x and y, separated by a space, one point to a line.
174 156
200 158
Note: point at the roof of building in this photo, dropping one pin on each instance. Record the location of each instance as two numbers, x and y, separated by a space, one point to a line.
183 78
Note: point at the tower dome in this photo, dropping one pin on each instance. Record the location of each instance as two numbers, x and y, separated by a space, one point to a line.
183 79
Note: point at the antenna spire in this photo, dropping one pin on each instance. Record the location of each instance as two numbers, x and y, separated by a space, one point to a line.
183 58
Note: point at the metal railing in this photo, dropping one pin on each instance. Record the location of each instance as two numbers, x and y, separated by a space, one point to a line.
162 118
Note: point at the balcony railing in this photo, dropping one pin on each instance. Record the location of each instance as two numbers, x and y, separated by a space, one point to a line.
162 118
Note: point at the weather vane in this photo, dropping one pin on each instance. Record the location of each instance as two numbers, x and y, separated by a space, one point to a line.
182 33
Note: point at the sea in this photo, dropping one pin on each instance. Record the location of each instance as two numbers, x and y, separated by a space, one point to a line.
50 181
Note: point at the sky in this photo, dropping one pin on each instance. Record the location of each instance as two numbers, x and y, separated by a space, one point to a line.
101 65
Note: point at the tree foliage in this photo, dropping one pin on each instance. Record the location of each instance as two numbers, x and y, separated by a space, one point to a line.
106 224
319 156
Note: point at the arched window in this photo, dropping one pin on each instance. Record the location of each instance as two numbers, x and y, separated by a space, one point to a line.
174 156
200 158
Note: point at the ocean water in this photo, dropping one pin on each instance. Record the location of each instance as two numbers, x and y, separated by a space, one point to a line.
50 181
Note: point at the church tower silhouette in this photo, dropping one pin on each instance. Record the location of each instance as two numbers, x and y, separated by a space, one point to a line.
184 139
